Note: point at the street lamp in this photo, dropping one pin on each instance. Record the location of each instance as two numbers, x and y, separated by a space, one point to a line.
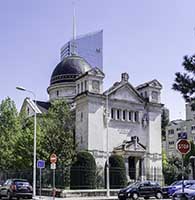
107 150
35 135
192 159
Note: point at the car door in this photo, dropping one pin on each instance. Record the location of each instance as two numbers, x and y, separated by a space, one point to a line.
145 189
4 187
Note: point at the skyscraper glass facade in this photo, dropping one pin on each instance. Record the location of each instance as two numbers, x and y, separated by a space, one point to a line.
88 46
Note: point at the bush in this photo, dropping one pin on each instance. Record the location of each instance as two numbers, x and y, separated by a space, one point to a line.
117 172
83 172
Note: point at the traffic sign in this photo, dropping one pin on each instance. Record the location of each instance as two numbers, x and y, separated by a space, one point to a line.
183 146
40 164
53 158
53 166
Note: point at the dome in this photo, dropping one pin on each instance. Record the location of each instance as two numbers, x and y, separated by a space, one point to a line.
68 69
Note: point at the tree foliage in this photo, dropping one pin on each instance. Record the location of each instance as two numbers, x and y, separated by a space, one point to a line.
117 172
173 170
164 122
9 130
54 135
83 171
58 129
185 82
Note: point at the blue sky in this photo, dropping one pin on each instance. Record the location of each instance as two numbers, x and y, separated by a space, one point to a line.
146 38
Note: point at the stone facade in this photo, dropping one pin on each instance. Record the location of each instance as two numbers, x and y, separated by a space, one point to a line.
122 120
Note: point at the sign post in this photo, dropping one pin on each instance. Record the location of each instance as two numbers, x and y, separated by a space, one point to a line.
53 160
40 165
184 147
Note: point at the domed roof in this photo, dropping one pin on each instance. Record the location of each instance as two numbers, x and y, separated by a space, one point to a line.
68 69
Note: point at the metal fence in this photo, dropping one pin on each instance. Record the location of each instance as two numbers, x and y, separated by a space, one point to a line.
63 177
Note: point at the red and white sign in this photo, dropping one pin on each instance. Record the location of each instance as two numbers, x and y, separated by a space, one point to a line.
53 158
183 146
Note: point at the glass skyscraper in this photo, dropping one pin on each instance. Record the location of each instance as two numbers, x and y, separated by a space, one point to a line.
88 46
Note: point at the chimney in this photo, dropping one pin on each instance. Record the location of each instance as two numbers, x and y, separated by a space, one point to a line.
124 77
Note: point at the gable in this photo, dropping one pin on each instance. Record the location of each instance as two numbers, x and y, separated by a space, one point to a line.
126 93
155 84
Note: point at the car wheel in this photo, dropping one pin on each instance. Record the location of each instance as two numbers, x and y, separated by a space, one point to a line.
159 195
135 196
146 197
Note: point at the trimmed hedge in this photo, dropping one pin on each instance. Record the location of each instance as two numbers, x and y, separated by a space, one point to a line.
83 172
117 172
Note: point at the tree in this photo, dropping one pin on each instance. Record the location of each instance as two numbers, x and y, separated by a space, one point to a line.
172 170
83 171
9 131
185 82
24 145
58 128
117 172
164 122
189 159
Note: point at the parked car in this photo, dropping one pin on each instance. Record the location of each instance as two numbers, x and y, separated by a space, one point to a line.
169 190
16 188
144 189
188 193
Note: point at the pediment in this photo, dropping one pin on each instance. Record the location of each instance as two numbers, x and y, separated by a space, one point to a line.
156 84
130 146
95 72
127 93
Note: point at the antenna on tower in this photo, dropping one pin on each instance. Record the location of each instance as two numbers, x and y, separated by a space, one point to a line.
74 30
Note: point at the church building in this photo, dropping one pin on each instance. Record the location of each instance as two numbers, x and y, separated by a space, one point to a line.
123 120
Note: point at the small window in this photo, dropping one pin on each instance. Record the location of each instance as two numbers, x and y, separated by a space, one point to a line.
130 116
124 114
145 94
171 132
154 95
85 85
118 113
78 88
28 111
57 93
81 116
81 86
112 113
171 142
136 116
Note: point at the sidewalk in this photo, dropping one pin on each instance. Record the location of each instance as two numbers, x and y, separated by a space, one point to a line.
76 198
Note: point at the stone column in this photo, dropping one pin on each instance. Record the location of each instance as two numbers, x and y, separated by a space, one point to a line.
127 168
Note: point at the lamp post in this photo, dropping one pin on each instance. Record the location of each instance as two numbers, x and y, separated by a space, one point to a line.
34 143
192 159
107 151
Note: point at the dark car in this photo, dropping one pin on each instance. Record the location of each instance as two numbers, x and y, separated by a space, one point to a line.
16 188
177 185
144 189
188 193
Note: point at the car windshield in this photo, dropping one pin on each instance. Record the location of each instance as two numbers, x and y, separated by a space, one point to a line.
176 183
136 184
21 183
192 187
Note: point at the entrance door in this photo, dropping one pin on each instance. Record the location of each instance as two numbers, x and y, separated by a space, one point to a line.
132 168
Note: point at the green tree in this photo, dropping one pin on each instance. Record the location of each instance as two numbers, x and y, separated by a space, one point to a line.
23 150
164 122
83 171
9 131
185 82
117 172
58 130
188 162
172 170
